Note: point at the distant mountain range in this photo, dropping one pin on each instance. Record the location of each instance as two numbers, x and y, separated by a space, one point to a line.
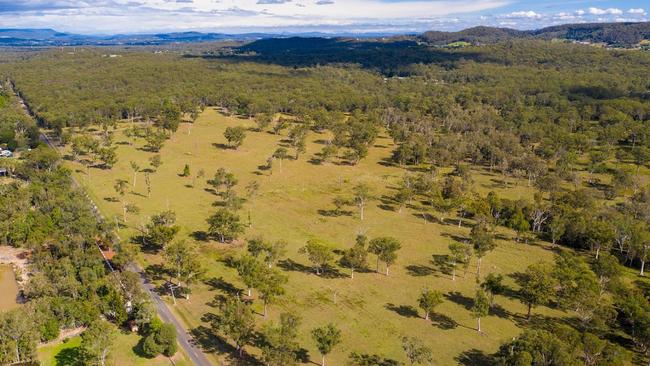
50 37
616 34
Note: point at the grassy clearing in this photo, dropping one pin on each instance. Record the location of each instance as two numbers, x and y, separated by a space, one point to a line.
372 310
67 353
8 288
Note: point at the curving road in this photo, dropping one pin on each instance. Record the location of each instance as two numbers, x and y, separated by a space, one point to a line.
184 339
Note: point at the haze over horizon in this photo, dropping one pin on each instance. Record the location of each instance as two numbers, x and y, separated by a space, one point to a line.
294 16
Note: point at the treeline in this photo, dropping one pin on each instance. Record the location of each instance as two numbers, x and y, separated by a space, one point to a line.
67 284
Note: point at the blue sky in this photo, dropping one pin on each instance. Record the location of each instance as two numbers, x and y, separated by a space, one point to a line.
359 16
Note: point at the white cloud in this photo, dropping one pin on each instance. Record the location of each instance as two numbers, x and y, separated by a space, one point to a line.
580 12
637 11
107 16
524 14
609 11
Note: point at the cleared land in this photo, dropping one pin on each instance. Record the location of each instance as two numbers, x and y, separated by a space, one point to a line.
372 310
8 288
67 353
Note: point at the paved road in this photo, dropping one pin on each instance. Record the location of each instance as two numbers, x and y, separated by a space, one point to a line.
184 339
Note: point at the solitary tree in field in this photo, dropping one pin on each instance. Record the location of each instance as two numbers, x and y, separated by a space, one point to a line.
250 271
461 253
537 286
416 351
162 229
357 256
225 225
429 300
385 248
362 195
147 182
281 153
136 169
236 322
120 187
326 339
235 136
480 308
270 286
181 258
155 161
263 120
483 242
199 176
493 285
319 253
268 252
328 152
223 179
186 171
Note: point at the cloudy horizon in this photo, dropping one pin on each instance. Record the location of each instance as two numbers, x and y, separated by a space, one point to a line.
293 16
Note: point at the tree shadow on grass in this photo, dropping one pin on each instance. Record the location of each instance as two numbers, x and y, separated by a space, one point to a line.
70 357
221 146
139 350
443 321
460 299
474 357
372 360
200 235
442 263
334 213
210 342
406 311
498 310
219 284
418 270
291 265
155 272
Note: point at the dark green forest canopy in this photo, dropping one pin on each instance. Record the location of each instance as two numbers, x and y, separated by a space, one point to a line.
527 85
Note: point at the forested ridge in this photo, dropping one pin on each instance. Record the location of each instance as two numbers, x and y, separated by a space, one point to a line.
569 120
614 34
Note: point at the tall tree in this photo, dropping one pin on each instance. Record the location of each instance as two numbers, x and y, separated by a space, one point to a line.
235 322
362 195
537 286
235 136
385 248
429 300
181 257
225 225
281 348
481 307
319 253
97 340
416 352
357 256
461 253
326 339
483 242
270 286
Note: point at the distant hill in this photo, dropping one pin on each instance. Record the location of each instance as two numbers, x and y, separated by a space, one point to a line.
616 34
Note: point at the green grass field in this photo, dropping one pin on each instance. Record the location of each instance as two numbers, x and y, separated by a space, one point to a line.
67 353
373 311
